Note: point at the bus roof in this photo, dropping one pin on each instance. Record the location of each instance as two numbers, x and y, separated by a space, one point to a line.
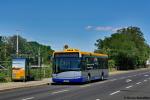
71 50
93 54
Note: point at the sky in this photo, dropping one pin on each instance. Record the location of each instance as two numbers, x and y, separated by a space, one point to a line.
77 23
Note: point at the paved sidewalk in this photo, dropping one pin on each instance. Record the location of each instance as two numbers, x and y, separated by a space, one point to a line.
14 85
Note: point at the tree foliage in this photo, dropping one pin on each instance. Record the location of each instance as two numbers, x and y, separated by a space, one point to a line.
127 47
27 49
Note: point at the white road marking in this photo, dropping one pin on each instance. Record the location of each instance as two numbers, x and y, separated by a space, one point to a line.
128 80
115 92
146 75
85 85
130 76
98 99
59 91
122 77
113 80
28 98
145 80
129 87
139 83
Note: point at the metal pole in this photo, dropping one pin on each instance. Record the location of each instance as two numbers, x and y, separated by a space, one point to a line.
5 50
44 72
39 61
17 46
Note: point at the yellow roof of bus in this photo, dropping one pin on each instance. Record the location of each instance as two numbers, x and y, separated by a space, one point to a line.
84 53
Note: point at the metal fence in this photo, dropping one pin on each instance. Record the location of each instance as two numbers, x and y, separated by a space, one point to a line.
37 73
5 71
41 72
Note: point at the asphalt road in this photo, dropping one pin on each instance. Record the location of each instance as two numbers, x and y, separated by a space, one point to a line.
128 86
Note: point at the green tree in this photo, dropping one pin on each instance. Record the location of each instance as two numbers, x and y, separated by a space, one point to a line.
26 49
45 52
127 47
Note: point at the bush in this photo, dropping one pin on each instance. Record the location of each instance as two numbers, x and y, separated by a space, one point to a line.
43 72
111 64
2 77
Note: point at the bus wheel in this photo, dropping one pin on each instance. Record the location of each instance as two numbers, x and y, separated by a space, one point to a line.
102 77
89 78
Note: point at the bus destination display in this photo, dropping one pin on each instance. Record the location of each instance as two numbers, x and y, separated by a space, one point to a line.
66 55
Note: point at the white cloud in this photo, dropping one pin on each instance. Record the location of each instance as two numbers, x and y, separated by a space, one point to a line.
103 28
88 27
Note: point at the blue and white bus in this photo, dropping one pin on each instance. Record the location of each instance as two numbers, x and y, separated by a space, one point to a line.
74 66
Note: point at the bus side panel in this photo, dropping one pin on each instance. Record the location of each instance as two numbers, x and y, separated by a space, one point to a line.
106 73
94 74
85 75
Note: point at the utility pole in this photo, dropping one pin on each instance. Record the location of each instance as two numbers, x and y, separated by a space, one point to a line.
5 47
17 45
39 58
39 61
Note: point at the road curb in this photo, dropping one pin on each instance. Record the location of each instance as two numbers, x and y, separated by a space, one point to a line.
25 86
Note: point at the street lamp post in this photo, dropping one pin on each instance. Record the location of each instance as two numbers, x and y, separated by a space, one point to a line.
17 46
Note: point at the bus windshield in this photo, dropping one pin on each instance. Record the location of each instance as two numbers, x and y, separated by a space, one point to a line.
66 64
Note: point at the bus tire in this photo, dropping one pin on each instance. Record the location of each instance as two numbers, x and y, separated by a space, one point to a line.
89 78
102 76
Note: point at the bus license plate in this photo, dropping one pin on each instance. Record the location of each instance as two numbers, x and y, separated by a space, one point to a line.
66 80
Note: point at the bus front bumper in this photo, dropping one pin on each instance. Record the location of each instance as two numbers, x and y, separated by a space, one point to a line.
75 80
